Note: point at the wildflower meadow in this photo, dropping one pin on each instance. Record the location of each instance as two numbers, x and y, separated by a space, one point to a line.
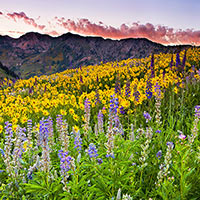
120 130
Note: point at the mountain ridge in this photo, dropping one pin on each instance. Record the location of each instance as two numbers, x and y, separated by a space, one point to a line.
37 54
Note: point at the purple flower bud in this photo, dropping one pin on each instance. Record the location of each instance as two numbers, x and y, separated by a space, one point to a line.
158 131
110 155
122 111
159 154
181 136
170 144
133 164
149 89
147 116
99 160
197 111
92 151
2 152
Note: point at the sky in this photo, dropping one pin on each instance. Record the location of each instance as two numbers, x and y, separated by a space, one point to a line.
166 22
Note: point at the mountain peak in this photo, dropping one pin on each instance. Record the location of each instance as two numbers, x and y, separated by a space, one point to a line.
37 54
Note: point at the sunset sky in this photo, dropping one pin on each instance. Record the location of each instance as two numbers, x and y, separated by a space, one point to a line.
166 22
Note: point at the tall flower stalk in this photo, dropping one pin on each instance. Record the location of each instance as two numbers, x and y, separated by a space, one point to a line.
44 137
29 133
87 116
64 137
66 163
164 168
100 122
158 103
8 147
145 147
195 125
18 149
51 134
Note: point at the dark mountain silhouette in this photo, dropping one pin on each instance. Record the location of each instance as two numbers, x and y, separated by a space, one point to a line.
37 54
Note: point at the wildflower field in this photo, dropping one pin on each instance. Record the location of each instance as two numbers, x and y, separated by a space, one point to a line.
120 130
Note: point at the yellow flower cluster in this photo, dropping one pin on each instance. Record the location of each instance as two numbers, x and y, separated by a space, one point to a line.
64 93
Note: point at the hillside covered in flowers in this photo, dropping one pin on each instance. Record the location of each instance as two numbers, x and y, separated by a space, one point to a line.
119 130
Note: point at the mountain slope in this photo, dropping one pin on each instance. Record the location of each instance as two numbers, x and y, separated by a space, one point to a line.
7 73
37 54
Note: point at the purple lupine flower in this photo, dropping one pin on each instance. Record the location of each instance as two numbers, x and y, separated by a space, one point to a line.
18 149
171 62
8 146
29 132
43 133
114 104
31 90
100 122
122 111
97 79
92 151
133 164
149 89
147 116
43 141
78 141
170 144
110 143
157 89
87 105
177 60
87 115
117 86
159 154
110 155
81 79
197 111
29 176
20 138
136 94
164 72
113 116
66 163
158 131
97 100
45 88
127 89
182 136
99 160
184 60
50 128
59 122
152 66
2 152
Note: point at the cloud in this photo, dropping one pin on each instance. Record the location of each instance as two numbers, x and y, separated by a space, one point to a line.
53 33
159 33
25 18
18 32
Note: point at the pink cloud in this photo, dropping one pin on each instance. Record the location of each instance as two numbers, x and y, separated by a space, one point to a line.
53 33
25 18
18 32
159 33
